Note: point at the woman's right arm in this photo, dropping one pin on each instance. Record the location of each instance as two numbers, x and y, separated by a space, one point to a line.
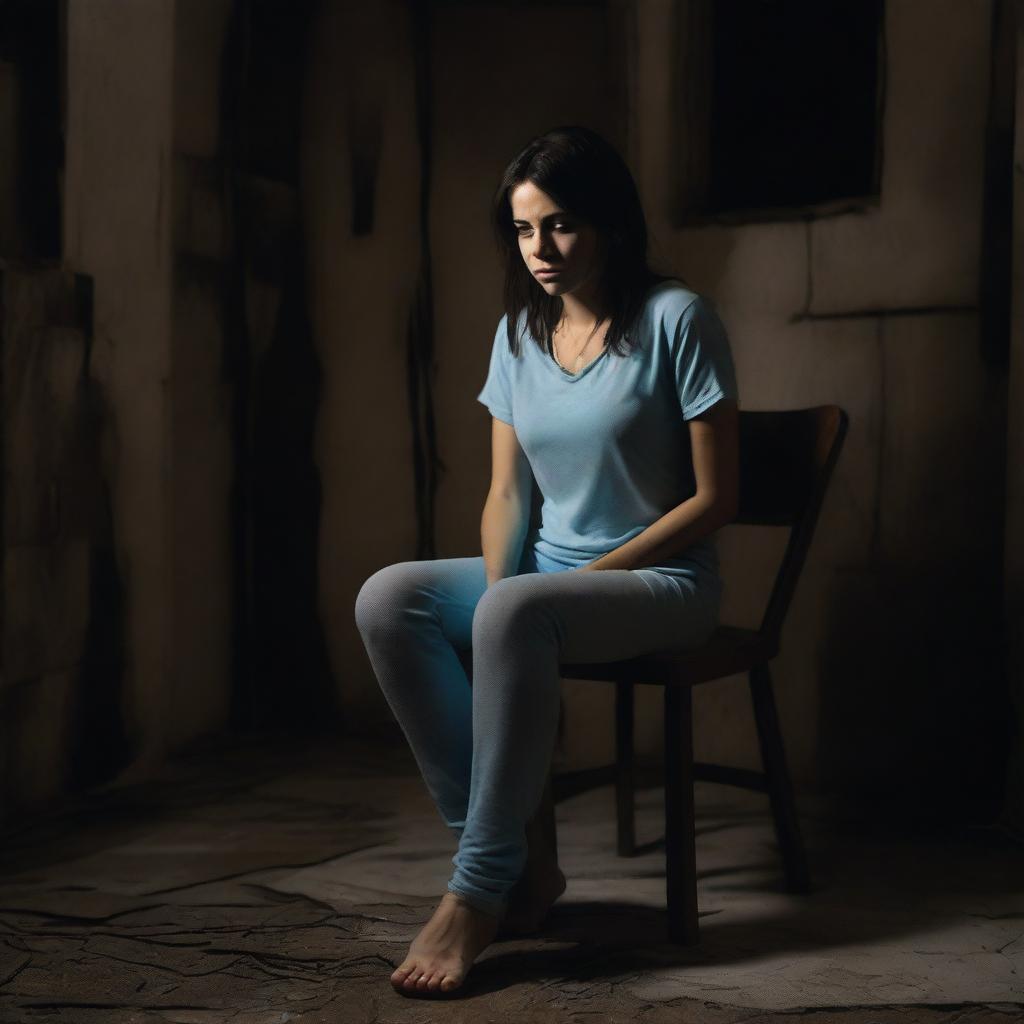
506 516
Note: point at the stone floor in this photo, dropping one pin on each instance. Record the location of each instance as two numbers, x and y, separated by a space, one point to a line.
269 881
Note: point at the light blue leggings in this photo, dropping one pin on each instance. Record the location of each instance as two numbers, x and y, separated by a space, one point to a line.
485 749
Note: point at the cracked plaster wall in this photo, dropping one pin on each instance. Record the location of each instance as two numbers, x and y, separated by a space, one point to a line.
361 289
875 310
485 106
889 681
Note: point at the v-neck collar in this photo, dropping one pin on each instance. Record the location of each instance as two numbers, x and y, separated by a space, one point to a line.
565 375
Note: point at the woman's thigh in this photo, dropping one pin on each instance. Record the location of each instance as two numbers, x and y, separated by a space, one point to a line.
606 614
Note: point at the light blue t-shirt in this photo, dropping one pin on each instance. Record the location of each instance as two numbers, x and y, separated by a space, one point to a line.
609 446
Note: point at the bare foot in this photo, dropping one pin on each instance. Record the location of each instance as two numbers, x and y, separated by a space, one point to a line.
531 898
441 955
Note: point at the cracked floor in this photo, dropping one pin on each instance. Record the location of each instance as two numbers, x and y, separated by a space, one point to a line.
269 880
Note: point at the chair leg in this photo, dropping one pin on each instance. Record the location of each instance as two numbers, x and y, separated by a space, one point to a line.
624 783
787 826
680 846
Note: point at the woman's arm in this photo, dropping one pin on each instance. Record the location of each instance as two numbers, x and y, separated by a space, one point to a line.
714 439
506 515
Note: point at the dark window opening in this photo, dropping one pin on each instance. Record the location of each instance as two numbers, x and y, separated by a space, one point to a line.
31 128
780 103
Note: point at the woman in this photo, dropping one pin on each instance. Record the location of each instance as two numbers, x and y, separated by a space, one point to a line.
613 387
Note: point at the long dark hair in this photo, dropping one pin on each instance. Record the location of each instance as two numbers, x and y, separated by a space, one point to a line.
586 176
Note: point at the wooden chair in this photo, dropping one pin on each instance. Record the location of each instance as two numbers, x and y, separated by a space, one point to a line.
786 460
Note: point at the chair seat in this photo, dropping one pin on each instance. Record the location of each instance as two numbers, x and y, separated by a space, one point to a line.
729 650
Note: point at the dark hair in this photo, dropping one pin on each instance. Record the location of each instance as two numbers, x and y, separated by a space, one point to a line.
587 177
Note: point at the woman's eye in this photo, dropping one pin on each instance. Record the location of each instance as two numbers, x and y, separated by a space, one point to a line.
560 225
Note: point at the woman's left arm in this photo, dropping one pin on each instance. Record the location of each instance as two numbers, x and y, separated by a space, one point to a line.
714 440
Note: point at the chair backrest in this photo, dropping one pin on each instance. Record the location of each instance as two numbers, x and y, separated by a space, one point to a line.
786 461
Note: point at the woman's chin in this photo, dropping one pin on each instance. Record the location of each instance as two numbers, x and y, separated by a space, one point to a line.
553 287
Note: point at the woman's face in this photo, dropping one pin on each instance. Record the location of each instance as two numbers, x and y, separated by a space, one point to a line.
551 238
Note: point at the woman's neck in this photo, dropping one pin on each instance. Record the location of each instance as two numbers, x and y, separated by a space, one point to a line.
583 311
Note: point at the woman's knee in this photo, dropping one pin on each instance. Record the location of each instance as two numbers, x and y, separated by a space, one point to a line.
511 604
383 594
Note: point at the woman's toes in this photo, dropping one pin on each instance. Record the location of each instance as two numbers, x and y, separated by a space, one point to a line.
450 982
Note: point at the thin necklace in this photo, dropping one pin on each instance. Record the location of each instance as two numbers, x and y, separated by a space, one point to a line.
579 354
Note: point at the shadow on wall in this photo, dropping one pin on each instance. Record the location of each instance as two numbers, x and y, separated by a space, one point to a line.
910 717
281 673
292 678
63 604
99 746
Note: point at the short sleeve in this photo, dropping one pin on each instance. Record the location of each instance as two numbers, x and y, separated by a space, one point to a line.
497 390
702 360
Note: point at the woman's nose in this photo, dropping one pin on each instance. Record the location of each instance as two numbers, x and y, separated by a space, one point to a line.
541 247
